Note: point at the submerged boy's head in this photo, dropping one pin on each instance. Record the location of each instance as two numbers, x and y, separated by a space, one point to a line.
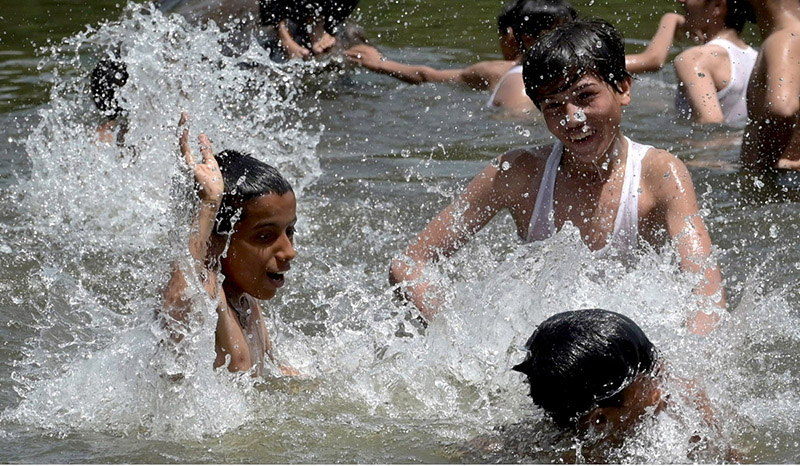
589 363
522 22
258 212
106 80
564 55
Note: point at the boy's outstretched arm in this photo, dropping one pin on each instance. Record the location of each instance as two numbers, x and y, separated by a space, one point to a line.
210 187
443 236
369 57
671 184
657 51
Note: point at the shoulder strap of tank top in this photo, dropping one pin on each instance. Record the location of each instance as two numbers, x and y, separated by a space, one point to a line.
541 225
626 225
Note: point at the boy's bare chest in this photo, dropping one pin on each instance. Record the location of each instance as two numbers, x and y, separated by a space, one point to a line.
592 208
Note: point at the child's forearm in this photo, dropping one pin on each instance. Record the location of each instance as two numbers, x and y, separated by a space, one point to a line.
657 51
414 74
202 228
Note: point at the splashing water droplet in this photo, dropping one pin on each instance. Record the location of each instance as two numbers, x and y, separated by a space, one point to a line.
579 116
505 166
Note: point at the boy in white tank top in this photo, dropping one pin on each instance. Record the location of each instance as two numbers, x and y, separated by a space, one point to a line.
613 190
713 76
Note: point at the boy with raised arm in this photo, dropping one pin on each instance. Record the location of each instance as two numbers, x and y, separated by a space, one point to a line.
772 137
242 243
616 192
520 23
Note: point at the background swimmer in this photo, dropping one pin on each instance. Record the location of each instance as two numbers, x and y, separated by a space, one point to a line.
242 243
520 23
772 137
306 28
105 81
713 76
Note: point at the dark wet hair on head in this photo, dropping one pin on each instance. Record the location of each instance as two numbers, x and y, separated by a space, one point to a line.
505 17
582 359
334 12
106 79
245 178
562 56
739 12
535 17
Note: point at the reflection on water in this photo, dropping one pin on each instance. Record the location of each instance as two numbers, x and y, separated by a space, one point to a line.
88 232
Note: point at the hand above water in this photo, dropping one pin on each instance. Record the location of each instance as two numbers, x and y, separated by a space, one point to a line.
210 185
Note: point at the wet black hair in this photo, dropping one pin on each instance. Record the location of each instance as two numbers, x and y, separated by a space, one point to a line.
562 56
106 79
334 11
583 359
739 12
505 17
535 17
245 178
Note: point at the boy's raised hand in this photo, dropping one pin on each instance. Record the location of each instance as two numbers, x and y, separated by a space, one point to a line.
210 185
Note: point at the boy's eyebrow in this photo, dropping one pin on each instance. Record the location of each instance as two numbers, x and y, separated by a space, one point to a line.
271 223
570 89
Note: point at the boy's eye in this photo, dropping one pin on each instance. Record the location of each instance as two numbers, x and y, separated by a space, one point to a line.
267 237
290 232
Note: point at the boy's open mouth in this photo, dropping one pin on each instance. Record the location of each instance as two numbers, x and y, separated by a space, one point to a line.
277 278
582 136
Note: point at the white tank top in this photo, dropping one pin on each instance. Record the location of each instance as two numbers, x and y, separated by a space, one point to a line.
733 97
625 235
515 70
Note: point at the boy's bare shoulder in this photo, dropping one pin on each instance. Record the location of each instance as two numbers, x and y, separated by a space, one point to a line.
662 172
706 54
524 162
486 73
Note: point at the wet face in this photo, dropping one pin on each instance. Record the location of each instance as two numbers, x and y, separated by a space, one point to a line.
635 400
261 247
586 117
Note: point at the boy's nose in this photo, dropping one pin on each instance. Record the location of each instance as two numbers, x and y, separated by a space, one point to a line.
286 251
575 116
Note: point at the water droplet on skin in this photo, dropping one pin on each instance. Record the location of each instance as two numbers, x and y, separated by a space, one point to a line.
505 166
579 116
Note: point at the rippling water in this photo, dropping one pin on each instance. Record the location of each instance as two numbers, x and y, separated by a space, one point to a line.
88 231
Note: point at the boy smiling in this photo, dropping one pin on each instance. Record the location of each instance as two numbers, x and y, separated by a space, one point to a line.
615 191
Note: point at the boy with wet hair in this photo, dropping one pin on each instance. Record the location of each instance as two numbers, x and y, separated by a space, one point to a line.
591 367
617 193
712 76
520 23
242 244
105 82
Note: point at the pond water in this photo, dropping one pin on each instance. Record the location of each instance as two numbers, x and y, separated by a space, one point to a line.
89 231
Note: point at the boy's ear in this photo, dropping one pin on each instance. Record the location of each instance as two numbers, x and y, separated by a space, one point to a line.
624 86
